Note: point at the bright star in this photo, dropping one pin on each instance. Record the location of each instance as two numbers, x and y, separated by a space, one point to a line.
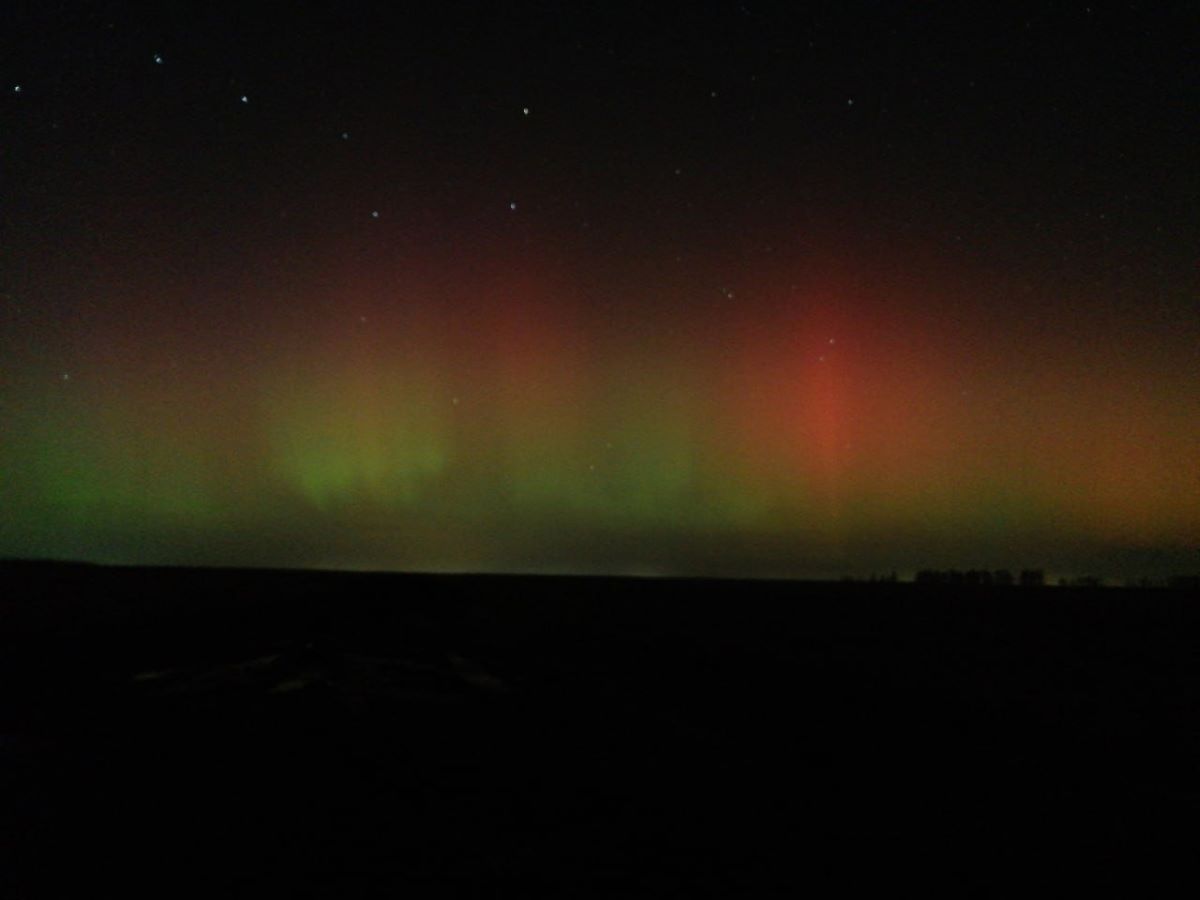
512 206
16 89
245 99
158 60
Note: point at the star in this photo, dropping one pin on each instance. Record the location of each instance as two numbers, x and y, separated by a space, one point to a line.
245 99
850 102
374 214
16 89
525 110
512 206
345 135
158 60
66 376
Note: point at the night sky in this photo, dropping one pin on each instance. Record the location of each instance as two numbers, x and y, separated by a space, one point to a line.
808 289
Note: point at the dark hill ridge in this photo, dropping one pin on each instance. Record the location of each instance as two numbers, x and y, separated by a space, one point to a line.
367 734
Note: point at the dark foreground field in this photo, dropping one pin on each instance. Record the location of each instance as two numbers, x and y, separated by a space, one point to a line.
284 734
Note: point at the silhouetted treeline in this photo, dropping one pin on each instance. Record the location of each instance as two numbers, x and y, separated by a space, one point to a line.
876 578
1084 581
1037 578
981 577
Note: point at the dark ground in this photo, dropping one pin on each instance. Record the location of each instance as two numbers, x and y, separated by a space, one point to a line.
345 735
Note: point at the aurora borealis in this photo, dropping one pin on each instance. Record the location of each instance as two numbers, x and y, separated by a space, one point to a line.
565 291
